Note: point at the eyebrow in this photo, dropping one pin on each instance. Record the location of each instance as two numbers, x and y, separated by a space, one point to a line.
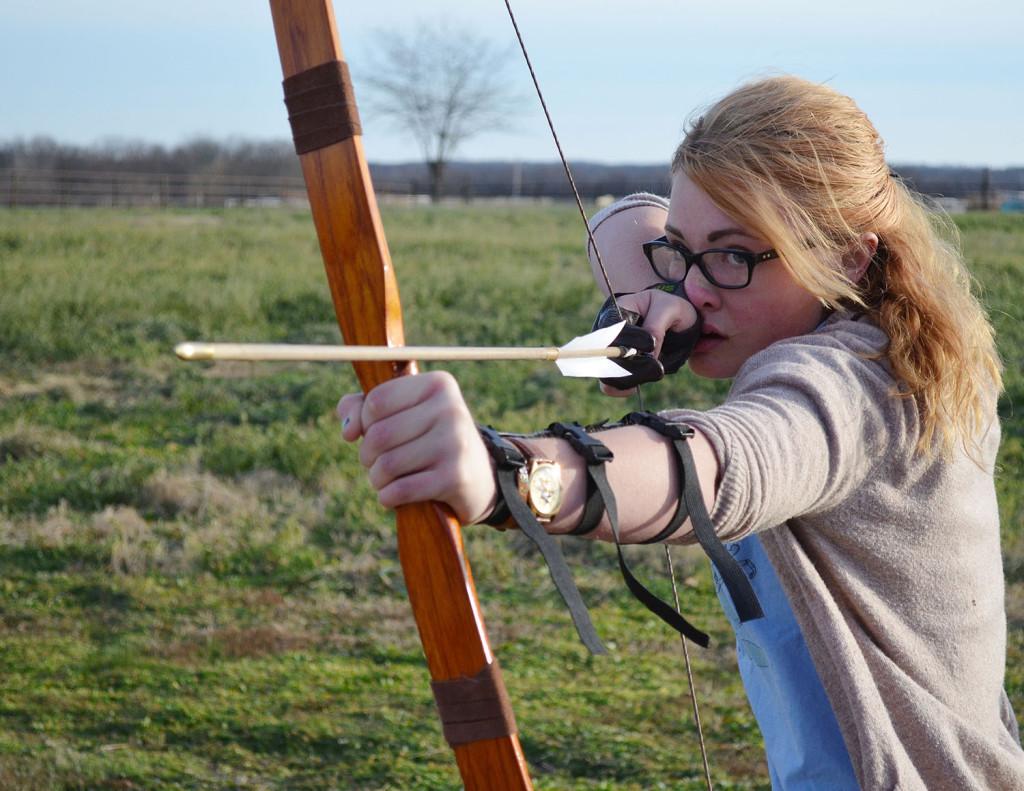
714 236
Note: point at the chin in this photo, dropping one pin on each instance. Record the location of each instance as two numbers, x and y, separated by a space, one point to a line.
710 368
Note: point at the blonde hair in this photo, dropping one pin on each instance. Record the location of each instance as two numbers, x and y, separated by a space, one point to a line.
802 166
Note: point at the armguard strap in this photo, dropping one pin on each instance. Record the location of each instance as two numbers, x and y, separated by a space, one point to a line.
508 460
597 454
691 502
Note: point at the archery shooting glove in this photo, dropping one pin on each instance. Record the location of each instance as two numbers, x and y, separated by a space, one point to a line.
645 367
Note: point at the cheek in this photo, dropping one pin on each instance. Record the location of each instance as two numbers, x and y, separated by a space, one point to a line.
780 305
757 318
786 315
772 315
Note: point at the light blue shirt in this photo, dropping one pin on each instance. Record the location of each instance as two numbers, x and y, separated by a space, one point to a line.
802 740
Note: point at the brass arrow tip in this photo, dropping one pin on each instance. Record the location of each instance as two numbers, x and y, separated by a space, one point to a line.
193 351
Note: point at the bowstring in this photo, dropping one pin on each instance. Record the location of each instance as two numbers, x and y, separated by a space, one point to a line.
639 395
565 163
689 676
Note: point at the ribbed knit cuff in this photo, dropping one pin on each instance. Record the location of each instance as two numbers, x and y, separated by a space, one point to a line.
623 204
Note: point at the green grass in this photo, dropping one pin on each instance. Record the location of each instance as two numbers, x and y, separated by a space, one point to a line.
197 588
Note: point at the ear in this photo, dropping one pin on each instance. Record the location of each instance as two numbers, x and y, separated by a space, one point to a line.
859 256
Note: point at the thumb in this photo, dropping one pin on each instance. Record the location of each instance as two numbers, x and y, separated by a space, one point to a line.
349 411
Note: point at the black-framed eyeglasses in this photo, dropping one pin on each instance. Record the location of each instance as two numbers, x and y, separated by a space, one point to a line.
724 268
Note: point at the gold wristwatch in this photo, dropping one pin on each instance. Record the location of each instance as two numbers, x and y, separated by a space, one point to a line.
540 484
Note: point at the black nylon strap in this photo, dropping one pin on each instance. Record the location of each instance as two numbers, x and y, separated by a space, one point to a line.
748 608
745 600
593 452
681 510
596 454
508 460
592 512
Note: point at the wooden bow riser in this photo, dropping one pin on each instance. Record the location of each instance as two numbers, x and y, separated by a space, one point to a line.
365 296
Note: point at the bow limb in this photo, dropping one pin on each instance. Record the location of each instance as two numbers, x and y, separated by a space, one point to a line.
365 296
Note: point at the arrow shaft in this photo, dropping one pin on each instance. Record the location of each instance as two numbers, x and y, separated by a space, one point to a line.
280 352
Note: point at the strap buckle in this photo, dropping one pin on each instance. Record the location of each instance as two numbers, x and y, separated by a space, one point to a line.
506 455
591 449
673 431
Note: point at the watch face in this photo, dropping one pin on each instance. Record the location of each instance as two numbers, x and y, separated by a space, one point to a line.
546 488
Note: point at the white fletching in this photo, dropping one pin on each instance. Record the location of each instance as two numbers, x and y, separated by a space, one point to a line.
592 367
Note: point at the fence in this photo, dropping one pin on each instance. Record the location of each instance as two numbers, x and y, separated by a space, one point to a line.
20 187
53 187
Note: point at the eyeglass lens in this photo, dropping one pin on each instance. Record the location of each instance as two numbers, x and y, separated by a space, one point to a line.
722 267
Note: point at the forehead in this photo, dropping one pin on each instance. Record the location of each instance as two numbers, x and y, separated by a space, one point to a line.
693 214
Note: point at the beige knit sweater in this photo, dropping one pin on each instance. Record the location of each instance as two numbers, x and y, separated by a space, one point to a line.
891 560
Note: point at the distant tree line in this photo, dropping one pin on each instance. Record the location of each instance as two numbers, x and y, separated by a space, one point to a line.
262 162
201 156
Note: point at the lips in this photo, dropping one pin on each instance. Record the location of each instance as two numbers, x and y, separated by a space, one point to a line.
709 339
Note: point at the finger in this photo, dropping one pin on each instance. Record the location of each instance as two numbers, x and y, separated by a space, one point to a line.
398 430
348 411
677 347
664 313
611 313
615 392
418 487
638 303
639 369
426 453
442 485
396 395
634 337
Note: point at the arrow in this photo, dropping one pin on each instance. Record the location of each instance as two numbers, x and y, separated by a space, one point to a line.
587 355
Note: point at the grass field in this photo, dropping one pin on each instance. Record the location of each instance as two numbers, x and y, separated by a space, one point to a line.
197 588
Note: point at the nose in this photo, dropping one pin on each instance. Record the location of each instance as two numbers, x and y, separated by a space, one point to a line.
699 290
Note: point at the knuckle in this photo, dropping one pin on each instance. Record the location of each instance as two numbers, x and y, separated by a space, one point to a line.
383 469
394 495
442 382
349 400
374 404
376 437
390 497
401 492
449 414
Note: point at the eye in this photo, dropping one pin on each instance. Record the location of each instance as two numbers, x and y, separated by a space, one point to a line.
738 258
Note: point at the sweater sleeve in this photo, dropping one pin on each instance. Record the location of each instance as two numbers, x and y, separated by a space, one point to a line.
806 421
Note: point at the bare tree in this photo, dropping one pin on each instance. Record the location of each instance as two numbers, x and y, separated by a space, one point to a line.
440 84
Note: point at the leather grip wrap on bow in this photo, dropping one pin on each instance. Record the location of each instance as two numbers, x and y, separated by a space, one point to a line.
474 708
365 296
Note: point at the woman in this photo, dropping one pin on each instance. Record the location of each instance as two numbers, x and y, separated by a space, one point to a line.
857 442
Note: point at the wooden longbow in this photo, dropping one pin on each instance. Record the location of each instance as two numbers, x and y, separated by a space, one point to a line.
468 686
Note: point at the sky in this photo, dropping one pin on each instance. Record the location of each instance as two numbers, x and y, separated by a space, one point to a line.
943 82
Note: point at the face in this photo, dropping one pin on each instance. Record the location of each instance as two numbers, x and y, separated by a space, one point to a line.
737 323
